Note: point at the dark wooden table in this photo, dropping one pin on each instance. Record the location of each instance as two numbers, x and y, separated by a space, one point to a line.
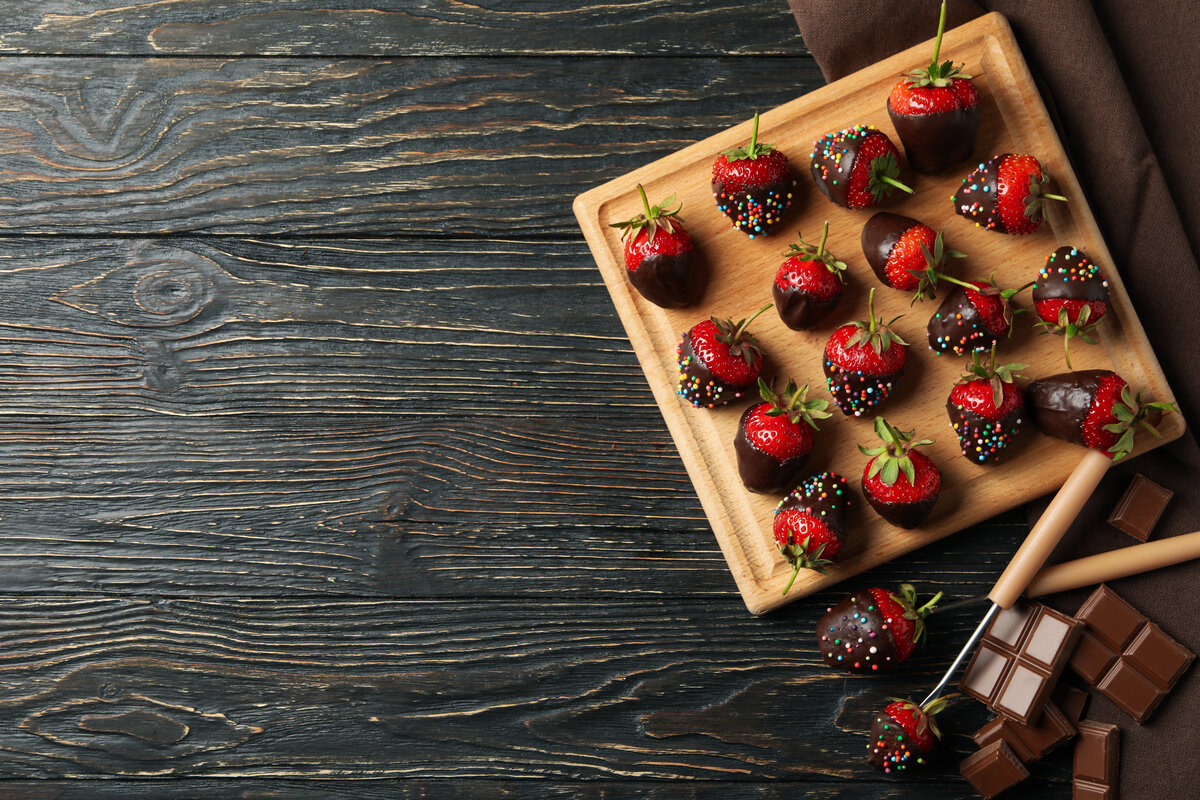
328 471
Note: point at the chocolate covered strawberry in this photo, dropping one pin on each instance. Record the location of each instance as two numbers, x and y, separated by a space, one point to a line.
905 735
753 185
873 630
718 361
1070 296
905 254
863 360
1094 408
774 437
1005 194
974 316
808 284
857 167
899 482
935 111
985 408
659 257
810 523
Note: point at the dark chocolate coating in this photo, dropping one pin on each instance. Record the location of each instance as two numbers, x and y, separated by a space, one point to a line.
933 142
879 236
756 198
695 378
799 310
905 515
838 169
891 749
852 636
669 281
1056 281
957 326
977 198
1061 402
976 431
762 472
847 388
829 508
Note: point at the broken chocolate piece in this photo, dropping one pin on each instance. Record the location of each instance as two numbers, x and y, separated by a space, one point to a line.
1019 660
1096 760
1140 508
1070 700
993 768
1029 742
1124 655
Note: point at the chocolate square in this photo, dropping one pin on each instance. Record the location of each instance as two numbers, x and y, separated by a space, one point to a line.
1096 754
1110 618
987 670
1159 657
1140 508
993 769
1092 658
1082 790
1131 690
1028 742
999 729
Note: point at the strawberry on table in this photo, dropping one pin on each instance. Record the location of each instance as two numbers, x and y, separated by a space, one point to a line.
904 735
775 436
1005 194
974 316
873 630
1095 408
718 361
985 408
810 523
808 284
1070 296
904 253
857 167
753 185
899 482
935 111
659 257
863 360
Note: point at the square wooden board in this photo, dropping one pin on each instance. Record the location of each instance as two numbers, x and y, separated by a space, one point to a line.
742 270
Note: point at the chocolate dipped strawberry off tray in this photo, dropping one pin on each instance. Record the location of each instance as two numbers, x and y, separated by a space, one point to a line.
900 274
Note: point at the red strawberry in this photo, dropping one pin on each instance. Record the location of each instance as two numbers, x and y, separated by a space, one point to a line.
1094 408
856 168
808 284
862 362
974 316
1005 194
718 361
935 111
985 408
753 185
810 523
1070 296
659 257
899 482
905 735
775 437
874 630
905 254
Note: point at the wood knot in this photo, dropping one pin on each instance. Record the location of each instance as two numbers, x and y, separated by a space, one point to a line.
145 725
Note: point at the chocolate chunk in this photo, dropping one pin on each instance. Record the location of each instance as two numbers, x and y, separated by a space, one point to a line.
1029 742
936 141
993 769
1096 760
1071 700
1140 507
1128 658
1019 660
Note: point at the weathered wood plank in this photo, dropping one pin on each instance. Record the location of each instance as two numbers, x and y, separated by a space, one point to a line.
410 28
559 691
409 147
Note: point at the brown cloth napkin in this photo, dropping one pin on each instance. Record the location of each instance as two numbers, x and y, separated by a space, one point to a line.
1118 78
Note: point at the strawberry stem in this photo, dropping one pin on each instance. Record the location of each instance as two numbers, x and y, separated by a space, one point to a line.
645 201
893 182
871 310
1056 197
754 135
795 572
824 236
937 45
742 328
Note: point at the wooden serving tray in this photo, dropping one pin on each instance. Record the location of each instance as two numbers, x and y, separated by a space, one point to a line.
742 270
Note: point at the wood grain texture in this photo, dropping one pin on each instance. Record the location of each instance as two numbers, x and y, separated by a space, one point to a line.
555 691
409 147
411 28
1013 121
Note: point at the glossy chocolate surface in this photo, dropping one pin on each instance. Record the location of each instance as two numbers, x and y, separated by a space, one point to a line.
669 281
757 209
904 515
825 496
1029 742
855 393
957 326
760 471
1060 403
853 636
1096 760
799 310
981 440
933 142
698 385
879 236
891 749
993 768
1140 508
977 198
1070 275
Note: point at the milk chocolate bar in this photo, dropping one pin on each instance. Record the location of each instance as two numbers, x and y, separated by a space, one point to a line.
1139 509
1028 742
993 769
1125 655
1096 762
1019 659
